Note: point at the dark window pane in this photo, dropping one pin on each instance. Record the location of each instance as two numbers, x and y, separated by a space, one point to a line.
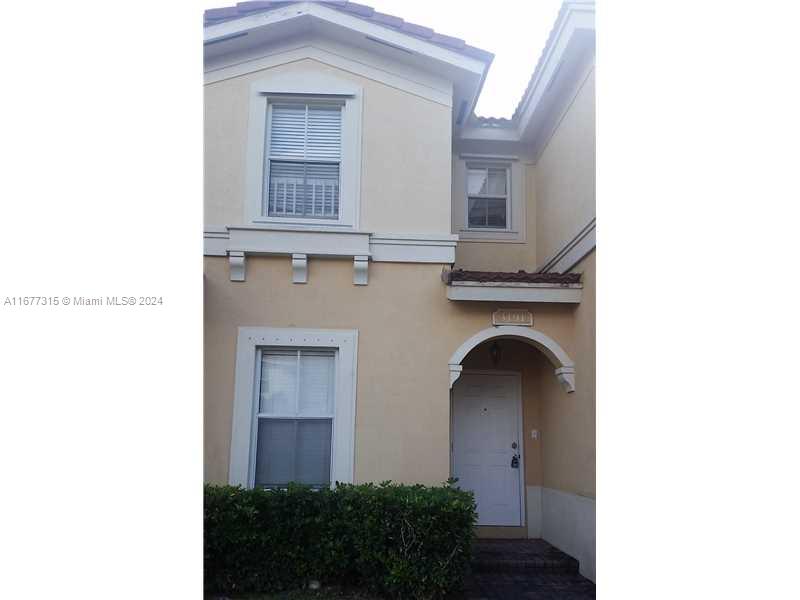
496 213
477 212
313 452
296 450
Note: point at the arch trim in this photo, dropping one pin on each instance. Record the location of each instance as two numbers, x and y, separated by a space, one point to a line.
564 366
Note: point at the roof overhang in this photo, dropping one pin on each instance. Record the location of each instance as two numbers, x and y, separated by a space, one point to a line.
240 35
565 61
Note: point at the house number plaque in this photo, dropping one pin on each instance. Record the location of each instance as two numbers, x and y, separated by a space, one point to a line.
512 316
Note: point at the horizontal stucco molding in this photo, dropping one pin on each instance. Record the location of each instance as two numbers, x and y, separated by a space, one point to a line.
237 242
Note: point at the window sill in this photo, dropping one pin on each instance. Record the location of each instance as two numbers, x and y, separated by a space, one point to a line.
300 225
507 236
488 230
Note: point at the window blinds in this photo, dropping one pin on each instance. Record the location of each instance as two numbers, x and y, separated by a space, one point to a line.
295 417
305 145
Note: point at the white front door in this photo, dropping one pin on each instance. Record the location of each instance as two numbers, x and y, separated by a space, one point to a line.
486 438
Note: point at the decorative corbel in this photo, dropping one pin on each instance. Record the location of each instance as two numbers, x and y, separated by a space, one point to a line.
360 270
455 373
299 268
566 377
236 262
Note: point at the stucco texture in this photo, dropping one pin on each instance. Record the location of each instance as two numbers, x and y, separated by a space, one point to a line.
406 153
407 332
568 421
565 176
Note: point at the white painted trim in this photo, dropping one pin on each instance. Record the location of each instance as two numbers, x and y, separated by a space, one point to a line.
439 248
215 241
533 509
320 85
281 239
360 270
236 264
564 65
268 240
516 284
574 251
517 377
249 340
576 23
516 230
568 522
565 367
470 156
299 268
347 58
498 292
275 18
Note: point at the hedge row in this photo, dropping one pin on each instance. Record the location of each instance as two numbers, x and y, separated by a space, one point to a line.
394 540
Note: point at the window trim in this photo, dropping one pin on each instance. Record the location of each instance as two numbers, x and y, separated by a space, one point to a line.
304 86
509 217
517 223
268 158
248 350
257 414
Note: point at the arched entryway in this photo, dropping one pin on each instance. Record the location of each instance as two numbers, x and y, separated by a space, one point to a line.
564 367
500 379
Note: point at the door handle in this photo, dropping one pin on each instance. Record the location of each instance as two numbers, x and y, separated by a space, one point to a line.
515 461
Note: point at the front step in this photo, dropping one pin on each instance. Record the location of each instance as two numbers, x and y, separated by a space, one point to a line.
520 556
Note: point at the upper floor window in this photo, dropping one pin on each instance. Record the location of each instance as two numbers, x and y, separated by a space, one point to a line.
304 151
488 205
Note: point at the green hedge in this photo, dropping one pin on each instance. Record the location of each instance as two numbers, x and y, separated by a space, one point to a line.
395 540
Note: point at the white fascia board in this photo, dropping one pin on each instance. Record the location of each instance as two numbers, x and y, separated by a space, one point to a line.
576 19
504 292
395 38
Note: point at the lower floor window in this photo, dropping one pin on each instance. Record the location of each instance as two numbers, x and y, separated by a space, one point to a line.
294 424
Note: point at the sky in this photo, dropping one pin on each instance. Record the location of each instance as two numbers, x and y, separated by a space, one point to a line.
513 30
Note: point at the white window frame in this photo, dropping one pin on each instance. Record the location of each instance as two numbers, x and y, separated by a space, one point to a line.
304 86
516 217
269 157
245 406
486 166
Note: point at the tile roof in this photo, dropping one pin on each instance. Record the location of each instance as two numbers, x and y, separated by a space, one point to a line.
242 9
518 277
494 122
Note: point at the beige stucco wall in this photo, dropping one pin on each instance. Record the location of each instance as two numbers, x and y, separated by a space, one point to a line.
406 153
565 176
407 332
568 421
